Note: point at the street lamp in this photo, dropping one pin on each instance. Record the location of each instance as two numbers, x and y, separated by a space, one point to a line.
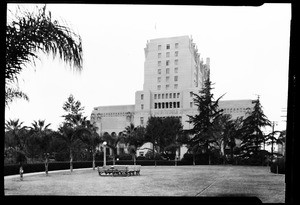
104 153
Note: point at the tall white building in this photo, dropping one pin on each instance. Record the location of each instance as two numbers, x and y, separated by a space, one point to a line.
172 71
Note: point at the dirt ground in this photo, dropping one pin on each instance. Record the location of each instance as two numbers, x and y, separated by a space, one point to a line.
195 181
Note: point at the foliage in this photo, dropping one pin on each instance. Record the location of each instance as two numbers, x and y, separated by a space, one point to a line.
163 134
30 32
252 135
204 123
73 111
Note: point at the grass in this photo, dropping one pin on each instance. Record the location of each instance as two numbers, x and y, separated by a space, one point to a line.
157 181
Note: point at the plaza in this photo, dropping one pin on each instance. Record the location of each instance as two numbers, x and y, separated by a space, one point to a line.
179 181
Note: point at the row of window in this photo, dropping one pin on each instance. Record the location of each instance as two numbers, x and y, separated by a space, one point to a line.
159 55
167 87
167 62
166 95
167 70
109 114
168 46
236 109
166 105
167 79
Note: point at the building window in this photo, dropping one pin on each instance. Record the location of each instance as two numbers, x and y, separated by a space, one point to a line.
175 86
167 88
159 71
178 94
168 54
176 45
142 96
175 78
159 47
155 95
167 62
176 54
170 104
167 79
159 55
142 120
168 71
191 94
166 95
174 104
176 62
155 105
170 95
178 104
159 63
158 87
159 105
167 105
191 104
176 70
174 95
168 46
162 105
158 79
142 106
162 96
158 96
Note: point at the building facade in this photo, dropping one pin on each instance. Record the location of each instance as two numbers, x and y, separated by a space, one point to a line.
173 71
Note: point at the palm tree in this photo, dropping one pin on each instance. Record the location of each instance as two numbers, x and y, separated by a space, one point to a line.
112 142
134 138
31 32
91 139
42 134
71 136
15 136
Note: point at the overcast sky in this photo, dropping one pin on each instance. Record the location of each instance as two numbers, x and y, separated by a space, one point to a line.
248 49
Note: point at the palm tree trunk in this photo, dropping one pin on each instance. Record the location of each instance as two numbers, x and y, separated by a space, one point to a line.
193 159
94 155
71 161
46 166
134 159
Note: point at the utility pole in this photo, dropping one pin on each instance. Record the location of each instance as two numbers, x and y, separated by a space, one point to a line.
272 147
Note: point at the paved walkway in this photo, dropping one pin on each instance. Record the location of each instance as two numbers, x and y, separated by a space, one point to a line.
156 181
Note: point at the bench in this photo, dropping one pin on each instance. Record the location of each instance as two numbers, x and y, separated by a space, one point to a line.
127 170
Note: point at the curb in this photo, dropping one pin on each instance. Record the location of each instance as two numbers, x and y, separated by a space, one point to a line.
49 172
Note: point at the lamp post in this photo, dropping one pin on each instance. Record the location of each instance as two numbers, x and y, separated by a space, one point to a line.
104 153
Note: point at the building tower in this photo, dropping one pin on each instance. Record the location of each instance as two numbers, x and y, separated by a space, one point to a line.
172 70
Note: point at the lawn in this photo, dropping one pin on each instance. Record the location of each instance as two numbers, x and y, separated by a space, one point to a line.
156 181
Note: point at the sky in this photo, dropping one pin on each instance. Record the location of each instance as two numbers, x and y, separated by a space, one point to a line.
248 49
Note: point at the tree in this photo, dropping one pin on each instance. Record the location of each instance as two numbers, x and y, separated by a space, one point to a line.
73 127
252 135
15 137
15 134
134 138
153 132
91 139
72 138
40 140
31 32
112 142
74 110
204 122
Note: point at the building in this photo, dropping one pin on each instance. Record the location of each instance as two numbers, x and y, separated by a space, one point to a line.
173 70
